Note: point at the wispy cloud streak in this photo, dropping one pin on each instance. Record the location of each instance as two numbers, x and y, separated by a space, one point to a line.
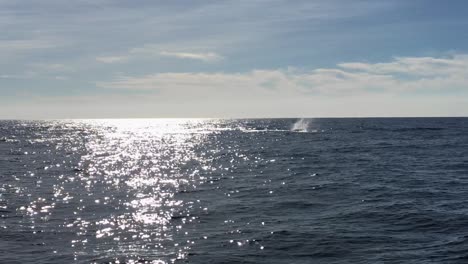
112 59
208 57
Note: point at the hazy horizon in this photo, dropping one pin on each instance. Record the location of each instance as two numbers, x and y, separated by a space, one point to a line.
230 118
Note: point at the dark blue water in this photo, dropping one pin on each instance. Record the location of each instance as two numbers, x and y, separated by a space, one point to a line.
234 191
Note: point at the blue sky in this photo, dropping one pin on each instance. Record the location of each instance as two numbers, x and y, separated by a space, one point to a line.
102 58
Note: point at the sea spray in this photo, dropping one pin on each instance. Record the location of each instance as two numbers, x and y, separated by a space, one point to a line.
301 125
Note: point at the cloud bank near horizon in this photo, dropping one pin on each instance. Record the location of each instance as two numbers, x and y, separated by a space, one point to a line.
350 89
398 76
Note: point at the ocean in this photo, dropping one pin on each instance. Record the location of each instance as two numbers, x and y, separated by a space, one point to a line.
338 190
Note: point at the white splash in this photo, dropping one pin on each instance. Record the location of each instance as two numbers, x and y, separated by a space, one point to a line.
301 125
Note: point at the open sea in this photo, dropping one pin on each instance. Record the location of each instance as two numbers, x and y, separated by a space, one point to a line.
343 190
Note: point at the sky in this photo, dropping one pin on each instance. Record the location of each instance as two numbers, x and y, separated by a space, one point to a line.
227 59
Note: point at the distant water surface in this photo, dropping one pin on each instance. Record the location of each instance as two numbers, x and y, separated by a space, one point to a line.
234 191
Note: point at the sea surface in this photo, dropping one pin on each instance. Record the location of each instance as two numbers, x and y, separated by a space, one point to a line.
371 190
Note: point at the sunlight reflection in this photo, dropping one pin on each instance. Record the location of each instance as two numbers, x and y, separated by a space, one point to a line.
132 170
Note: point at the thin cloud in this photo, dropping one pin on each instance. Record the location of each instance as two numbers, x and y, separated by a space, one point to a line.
26 45
24 75
208 57
416 66
112 59
50 67
16 76
154 51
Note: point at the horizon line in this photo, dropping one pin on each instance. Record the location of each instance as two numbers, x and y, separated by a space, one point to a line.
226 118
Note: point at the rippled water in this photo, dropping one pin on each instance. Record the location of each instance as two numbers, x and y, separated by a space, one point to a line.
229 191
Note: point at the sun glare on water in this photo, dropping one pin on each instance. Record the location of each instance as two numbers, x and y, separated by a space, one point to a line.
130 171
